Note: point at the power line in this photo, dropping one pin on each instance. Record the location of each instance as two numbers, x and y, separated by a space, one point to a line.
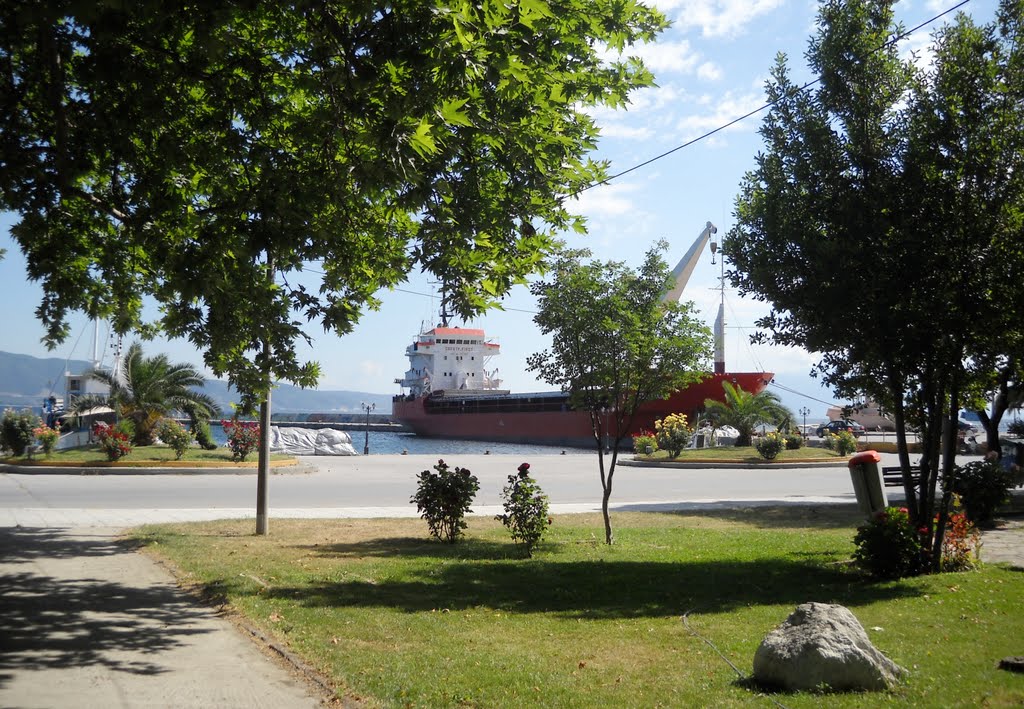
747 115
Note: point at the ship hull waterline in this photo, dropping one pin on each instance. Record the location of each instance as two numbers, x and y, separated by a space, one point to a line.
462 418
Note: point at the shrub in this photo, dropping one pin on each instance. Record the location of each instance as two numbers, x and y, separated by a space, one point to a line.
174 434
127 427
203 435
16 430
672 434
982 485
47 438
960 542
642 440
794 441
526 509
243 438
116 444
843 443
770 445
888 546
443 498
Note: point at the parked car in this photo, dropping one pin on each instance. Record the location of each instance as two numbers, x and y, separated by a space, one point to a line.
841 425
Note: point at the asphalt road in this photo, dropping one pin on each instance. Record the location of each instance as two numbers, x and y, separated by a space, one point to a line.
388 481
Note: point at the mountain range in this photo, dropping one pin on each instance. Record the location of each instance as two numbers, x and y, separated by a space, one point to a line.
26 380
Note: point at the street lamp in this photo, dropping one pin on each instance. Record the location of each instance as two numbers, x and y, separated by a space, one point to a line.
367 408
803 412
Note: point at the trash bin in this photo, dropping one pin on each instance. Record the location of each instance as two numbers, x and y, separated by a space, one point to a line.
867 482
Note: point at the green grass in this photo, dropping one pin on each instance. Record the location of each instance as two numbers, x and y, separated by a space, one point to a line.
399 620
140 456
744 454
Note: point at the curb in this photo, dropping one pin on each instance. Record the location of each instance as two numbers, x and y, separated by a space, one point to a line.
733 465
276 467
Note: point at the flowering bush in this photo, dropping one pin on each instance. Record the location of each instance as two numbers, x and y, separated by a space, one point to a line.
794 441
443 498
960 543
174 434
16 430
243 437
888 546
672 434
642 440
47 437
843 443
116 444
526 509
770 445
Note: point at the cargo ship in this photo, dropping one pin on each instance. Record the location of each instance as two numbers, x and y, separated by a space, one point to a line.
453 393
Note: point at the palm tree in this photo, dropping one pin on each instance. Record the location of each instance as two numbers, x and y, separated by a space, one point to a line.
745 411
145 389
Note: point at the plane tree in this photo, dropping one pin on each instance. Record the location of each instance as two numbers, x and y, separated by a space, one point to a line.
882 221
615 344
261 168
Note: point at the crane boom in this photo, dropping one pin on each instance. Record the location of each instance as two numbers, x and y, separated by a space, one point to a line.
684 269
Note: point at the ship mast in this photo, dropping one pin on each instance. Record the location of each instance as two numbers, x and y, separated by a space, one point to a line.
720 320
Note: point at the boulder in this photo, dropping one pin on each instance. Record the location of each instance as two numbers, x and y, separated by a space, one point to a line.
821 645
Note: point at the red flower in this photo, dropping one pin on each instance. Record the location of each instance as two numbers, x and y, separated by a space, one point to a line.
524 466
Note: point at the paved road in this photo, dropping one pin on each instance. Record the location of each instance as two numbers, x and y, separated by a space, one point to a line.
381 486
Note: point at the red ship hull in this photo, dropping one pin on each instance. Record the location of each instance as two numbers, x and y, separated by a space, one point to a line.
544 418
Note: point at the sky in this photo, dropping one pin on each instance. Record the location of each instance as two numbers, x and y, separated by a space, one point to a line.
710 67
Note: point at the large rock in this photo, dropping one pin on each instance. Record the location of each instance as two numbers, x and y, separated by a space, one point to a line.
823 645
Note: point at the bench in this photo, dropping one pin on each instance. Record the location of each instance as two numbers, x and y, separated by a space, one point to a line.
893 476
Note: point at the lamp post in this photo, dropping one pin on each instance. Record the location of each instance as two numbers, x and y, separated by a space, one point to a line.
803 412
367 408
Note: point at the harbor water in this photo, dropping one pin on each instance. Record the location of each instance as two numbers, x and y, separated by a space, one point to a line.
395 443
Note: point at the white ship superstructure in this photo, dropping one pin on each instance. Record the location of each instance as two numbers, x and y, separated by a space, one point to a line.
450 358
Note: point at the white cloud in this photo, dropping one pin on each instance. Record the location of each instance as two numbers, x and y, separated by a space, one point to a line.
709 71
727 108
607 200
663 57
716 18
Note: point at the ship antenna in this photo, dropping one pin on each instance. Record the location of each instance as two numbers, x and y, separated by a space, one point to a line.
444 314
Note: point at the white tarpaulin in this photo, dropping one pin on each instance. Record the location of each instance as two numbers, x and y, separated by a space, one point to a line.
310 441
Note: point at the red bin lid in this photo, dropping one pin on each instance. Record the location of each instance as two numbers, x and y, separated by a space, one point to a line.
865 457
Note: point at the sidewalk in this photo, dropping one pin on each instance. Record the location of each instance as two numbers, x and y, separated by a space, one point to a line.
85 621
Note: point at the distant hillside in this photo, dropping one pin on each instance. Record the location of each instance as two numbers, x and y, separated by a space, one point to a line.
26 381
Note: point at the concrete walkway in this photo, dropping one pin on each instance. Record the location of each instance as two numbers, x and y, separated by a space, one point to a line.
85 621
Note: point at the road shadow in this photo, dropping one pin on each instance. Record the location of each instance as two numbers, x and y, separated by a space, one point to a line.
65 621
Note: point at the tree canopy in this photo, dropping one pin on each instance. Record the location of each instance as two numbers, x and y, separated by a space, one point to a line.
883 219
615 343
205 153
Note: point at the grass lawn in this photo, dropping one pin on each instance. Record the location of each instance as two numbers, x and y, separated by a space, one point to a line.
744 454
144 456
398 620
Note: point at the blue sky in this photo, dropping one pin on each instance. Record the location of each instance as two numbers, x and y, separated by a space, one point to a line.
710 67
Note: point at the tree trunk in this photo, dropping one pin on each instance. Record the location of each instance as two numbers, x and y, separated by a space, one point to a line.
263 469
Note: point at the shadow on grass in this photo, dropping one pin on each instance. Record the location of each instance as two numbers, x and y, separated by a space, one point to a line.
415 547
600 589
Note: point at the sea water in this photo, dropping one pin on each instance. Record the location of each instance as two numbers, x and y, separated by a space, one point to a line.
395 443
